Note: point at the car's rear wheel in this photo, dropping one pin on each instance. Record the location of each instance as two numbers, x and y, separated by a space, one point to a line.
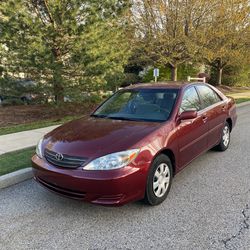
159 180
225 138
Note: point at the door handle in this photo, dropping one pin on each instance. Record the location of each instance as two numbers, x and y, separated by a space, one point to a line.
223 108
204 119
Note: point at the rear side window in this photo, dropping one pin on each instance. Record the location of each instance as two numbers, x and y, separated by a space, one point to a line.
208 96
190 100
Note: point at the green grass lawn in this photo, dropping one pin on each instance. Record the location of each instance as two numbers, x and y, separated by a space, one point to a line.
13 161
240 100
34 125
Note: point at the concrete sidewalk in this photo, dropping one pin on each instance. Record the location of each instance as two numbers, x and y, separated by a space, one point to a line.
21 140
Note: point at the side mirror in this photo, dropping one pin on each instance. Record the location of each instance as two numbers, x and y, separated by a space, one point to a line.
186 115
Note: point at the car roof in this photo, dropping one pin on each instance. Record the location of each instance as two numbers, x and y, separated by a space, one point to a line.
162 85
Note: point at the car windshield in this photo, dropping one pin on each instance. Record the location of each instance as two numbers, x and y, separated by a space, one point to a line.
153 105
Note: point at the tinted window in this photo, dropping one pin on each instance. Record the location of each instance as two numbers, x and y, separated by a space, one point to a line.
190 100
139 104
208 96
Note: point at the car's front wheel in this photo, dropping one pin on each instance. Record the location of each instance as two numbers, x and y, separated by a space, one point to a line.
159 180
225 138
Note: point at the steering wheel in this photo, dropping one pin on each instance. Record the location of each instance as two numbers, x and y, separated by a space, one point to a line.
164 111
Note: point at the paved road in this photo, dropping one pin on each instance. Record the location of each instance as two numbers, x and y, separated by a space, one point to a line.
207 208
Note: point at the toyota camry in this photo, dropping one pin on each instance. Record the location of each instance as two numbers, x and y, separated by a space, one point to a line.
134 143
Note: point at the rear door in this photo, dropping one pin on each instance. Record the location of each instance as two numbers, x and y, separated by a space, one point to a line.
192 134
215 110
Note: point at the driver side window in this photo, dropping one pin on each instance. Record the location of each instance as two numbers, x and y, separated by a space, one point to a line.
190 100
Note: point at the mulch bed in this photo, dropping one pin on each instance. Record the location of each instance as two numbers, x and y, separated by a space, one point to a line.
14 115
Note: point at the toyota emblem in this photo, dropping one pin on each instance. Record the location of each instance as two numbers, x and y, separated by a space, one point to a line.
59 157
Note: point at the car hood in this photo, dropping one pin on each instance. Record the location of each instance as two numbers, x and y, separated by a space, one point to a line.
94 137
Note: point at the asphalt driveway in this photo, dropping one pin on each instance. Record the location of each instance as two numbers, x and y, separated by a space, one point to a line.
207 208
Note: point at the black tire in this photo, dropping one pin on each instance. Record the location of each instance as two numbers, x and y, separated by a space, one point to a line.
224 144
150 194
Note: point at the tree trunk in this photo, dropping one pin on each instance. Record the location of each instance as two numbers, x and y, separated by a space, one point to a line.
57 75
58 86
219 76
173 73
58 93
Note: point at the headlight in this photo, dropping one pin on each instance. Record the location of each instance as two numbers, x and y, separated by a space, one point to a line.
39 149
113 161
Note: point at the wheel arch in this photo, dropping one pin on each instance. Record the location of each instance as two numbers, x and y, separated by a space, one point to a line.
230 123
168 152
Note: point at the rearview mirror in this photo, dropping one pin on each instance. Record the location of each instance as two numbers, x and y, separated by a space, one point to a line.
186 115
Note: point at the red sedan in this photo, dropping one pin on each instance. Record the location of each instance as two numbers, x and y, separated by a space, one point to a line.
134 143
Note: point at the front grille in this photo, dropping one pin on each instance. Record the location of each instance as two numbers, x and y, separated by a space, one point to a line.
63 160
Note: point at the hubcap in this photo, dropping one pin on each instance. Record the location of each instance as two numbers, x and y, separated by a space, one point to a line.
161 180
226 136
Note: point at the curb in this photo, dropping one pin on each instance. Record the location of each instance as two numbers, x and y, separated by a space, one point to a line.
243 104
16 177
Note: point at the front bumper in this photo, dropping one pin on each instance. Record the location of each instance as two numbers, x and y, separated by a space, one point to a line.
112 187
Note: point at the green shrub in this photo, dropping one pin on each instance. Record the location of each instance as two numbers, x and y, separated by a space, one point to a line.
131 78
94 98
11 102
232 76
183 72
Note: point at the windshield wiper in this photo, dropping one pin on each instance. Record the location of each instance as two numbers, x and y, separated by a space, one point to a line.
125 118
133 119
99 116
122 118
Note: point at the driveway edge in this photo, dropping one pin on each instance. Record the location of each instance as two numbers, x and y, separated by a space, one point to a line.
16 177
